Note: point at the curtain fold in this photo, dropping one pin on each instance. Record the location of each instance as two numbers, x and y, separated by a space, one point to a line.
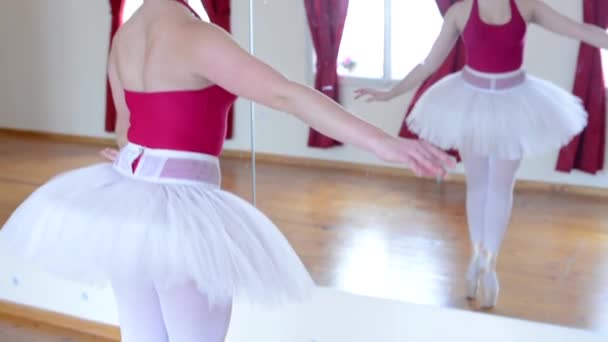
326 19
586 151
116 8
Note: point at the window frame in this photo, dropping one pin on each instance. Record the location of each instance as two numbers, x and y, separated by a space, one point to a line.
356 81
204 15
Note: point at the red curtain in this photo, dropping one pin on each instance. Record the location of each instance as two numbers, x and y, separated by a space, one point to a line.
326 20
219 14
453 63
586 151
116 7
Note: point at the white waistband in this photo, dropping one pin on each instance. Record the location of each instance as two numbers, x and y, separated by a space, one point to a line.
153 163
170 153
494 75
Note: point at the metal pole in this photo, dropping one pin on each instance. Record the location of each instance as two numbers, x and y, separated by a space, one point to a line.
252 111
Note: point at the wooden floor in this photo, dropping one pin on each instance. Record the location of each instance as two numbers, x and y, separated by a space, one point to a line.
389 237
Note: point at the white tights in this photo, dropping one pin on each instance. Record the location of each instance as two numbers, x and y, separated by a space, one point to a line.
179 314
490 183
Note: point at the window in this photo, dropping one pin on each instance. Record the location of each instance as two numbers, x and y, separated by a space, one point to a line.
132 5
386 39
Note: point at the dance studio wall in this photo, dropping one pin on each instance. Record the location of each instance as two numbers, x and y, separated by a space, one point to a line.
53 64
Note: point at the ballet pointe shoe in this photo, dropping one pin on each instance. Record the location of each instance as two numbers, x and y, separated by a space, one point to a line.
489 286
473 273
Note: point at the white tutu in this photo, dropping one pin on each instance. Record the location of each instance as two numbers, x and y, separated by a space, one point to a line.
94 222
534 116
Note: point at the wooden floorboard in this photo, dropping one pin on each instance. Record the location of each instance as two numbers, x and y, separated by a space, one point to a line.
384 236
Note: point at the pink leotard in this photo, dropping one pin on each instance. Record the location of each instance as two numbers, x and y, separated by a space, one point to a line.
184 120
494 48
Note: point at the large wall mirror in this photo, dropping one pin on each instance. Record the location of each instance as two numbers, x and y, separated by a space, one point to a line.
370 228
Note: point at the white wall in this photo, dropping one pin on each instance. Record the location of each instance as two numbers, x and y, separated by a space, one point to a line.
53 64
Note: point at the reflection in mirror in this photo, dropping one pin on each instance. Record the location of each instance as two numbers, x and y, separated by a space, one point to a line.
130 6
368 227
